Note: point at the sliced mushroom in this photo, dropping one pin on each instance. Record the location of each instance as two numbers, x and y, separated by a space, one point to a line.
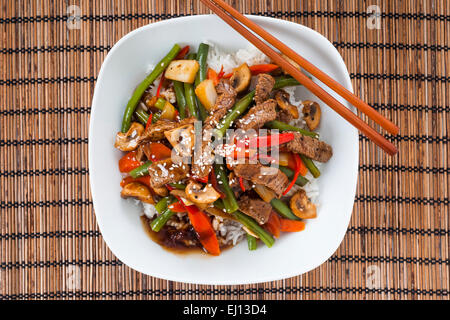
139 191
241 77
312 113
195 192
302 207
182 139
220 213
161 191
282 98
129 141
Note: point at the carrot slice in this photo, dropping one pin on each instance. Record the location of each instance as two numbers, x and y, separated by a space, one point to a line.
262 68
177 207
129 162
273 225
287 225
159 151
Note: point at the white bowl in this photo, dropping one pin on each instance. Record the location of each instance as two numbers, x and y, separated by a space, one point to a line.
292 254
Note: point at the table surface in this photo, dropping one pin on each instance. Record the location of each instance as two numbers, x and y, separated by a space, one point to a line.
397 244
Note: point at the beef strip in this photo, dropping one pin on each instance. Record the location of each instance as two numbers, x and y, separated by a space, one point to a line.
311 147
201 166
258 115
255 208
270 177
264 85
166 171
156 130
235 186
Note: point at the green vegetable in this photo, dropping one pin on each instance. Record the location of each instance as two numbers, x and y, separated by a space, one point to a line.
275 124
230 201
241 106
141 170
134 100
162 204
301 181
181 99
160 103
161 220
251 241
311 166
254 227
179 186
142 116
156 117
202 55
283 209
238 109
189 93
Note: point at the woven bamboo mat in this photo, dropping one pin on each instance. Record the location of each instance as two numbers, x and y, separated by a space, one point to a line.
397 244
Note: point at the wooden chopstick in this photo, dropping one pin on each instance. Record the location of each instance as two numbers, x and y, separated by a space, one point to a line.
312 69
305 81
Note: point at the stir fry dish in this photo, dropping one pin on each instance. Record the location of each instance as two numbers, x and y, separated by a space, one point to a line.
216 155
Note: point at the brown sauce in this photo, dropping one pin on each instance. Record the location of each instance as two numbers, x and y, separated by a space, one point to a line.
174 240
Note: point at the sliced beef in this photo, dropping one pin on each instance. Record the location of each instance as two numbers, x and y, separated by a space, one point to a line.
155 131
166 171
311 147
203 155
258 115
284 116
255 208
235 186
270 177
264 85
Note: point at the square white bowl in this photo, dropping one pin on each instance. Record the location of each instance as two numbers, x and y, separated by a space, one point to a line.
292 254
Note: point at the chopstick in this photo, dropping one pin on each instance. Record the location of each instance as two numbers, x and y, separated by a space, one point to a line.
312 69
304 80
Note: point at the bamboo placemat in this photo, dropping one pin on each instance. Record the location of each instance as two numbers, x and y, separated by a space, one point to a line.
397 244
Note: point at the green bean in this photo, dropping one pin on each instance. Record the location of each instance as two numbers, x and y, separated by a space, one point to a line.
160 103
283 209
134 100
254 227
189 93
161 220
179 186
142 116
238 109
181 99
301 181
311 166
251 241
202 55
156 117
162 204
275 124
141 170
229 201
241 106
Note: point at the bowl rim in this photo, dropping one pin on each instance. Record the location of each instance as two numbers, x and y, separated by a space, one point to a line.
279 276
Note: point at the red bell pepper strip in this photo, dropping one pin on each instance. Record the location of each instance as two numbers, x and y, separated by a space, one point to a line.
288 225
149 121
203 228
273 225
159 151
298 166
182 53
129 162
212 75
177 207
221 73
292 165
262 68
203 180
215 185
241 184
257 69
271 140
158 91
